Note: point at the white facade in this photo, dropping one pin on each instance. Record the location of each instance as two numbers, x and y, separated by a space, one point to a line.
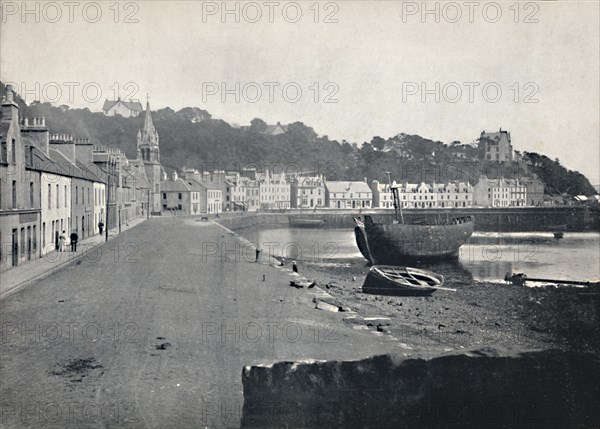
56 209
214 201
500 193
274 191
310 192
99 205
126 109
348 195
435 196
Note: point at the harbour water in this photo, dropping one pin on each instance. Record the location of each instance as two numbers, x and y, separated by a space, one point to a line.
485 256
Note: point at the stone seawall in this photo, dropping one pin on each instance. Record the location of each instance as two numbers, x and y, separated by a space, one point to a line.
570 218
484 388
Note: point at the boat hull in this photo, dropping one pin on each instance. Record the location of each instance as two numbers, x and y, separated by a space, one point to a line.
307 223
378 281
397 243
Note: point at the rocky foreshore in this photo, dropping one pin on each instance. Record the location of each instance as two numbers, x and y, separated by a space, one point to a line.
478 314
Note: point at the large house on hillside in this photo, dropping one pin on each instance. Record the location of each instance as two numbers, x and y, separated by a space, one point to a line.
496 146
126 109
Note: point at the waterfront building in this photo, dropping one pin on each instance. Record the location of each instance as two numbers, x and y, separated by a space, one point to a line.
535 191
455 195
499 193
382 195
235 199
423 195
307 192
126 109
496 146
274 191
184 196
348 195
213 186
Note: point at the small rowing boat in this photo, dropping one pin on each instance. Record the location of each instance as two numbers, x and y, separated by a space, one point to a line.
400 281
300 222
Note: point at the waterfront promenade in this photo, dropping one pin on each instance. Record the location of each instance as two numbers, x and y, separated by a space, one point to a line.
155 329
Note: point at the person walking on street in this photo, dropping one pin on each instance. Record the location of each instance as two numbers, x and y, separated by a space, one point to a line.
100 226
294 267
61 241
257 253
74 237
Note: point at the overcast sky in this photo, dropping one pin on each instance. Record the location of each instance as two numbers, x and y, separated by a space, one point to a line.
374 61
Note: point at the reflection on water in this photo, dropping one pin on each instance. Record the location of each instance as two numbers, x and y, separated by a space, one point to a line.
485 256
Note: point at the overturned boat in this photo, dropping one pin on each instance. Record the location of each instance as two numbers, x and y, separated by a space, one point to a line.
397 242
401 281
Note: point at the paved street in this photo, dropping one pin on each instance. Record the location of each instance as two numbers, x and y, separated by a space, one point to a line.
153 331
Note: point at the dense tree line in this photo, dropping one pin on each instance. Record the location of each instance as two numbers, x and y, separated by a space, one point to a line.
192 138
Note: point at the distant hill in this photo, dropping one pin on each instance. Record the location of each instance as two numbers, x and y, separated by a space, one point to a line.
192 138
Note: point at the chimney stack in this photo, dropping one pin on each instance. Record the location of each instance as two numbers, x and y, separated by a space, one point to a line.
37 132
10 109
84 151
64 144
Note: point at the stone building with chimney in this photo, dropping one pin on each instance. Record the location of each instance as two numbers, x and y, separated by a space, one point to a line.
496 146
20 205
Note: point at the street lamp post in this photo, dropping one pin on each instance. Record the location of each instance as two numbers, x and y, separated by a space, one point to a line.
107 207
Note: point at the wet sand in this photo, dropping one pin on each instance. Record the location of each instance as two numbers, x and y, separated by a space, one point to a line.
478 314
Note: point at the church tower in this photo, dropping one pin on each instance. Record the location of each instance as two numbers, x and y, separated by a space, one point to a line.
148 153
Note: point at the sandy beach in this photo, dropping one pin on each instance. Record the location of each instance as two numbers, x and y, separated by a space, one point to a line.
478 314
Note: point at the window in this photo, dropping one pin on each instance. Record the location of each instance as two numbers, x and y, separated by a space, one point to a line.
66 202
49 197
179 195
31 195
43 235
13 155
164 195
76 194
14 194
22 240
57 197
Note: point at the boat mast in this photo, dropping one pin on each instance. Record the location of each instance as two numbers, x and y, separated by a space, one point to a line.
396 199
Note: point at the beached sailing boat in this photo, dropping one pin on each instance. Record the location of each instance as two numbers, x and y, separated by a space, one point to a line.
397 242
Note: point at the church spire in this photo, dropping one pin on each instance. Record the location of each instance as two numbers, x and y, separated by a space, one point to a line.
149 133
148 139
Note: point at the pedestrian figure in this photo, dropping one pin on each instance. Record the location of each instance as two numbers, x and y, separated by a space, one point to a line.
74 237
61 241
294 267
257 254
101 226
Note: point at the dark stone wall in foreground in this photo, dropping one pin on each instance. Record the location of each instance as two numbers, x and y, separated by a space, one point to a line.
487 388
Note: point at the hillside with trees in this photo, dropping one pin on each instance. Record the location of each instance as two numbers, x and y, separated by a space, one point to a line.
192 138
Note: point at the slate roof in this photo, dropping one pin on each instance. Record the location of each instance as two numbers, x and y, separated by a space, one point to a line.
347 187
132 105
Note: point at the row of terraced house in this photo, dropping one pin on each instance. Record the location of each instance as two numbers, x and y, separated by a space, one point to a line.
54 184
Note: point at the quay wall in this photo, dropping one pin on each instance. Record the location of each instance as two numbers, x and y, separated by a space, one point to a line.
485 388
517 219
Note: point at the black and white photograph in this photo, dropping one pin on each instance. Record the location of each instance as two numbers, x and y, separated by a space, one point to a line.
299 214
